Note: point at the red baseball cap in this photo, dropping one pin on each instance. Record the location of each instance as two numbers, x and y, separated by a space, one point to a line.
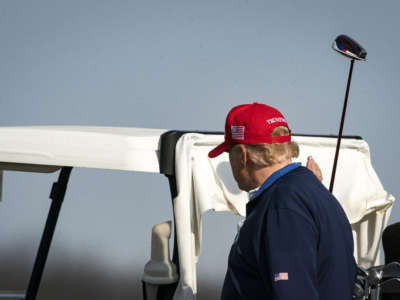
251 124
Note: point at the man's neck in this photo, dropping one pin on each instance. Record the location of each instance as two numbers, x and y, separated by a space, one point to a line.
260 175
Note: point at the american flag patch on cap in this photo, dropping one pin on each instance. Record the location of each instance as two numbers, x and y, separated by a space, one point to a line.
281 276
237 132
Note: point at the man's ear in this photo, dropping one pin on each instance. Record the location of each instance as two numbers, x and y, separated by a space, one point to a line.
244 155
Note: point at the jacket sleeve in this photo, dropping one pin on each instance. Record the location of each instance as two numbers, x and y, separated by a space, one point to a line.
289 264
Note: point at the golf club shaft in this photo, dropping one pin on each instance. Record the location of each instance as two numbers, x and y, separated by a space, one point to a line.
341 128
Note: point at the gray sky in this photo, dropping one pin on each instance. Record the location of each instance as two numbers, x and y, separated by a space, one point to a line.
181 65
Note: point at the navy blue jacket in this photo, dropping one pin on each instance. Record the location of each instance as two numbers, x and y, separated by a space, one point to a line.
296 243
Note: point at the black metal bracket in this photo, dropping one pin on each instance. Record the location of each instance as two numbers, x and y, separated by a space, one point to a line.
57 195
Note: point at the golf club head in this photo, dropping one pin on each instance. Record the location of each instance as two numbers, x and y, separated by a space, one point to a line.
391 270
391 286
349 48
374 276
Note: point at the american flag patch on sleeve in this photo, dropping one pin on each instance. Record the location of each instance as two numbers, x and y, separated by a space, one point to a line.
281 276
237 132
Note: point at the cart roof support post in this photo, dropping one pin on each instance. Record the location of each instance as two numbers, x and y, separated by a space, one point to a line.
57 195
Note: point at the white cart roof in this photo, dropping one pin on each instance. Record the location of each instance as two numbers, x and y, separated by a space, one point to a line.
119 148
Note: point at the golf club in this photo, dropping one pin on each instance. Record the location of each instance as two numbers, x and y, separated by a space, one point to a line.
374 278
350 49
361 286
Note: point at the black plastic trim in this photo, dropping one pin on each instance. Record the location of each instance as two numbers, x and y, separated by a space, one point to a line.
167 148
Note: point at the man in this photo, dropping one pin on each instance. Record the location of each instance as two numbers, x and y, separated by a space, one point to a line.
296 242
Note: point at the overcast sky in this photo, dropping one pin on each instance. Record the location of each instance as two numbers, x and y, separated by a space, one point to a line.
181 65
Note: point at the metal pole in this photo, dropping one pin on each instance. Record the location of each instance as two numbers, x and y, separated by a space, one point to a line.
341 127
57 195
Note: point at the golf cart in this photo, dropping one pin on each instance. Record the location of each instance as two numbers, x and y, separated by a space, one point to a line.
197 185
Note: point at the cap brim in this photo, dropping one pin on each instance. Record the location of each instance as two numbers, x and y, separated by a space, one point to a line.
218 150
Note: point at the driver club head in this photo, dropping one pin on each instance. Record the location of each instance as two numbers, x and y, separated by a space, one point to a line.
349 48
